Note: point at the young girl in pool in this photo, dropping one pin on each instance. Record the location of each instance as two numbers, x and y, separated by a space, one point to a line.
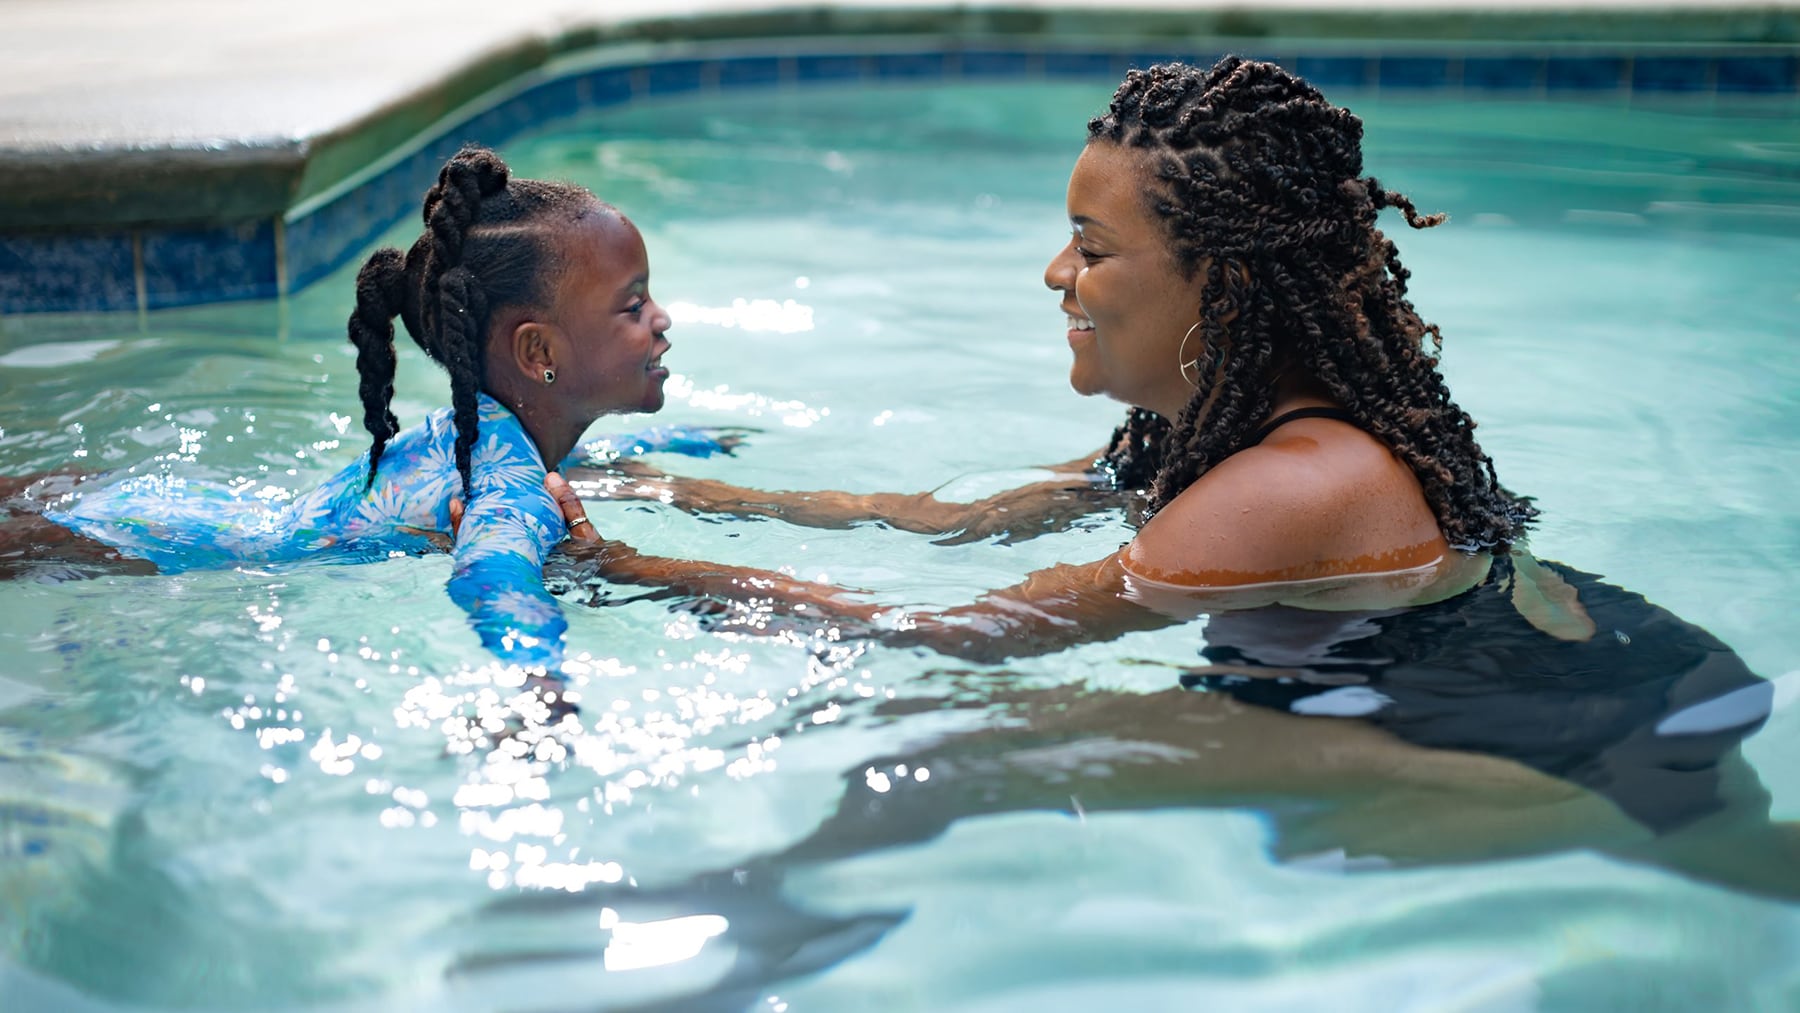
534 297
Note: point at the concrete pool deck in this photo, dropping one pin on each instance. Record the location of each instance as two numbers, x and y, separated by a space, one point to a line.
125 117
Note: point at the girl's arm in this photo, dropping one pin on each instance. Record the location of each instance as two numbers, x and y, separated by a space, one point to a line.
498 579
1015 514
502 538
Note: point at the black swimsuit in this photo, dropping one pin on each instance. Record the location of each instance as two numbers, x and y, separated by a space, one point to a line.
1641 713
1296 415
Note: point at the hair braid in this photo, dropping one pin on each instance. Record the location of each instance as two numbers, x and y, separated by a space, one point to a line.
380 293
1258 182
455 320
460 303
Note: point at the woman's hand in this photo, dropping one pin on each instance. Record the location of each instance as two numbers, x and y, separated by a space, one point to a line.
574 513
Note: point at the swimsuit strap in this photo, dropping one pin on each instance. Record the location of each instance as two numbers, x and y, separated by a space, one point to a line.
1297 414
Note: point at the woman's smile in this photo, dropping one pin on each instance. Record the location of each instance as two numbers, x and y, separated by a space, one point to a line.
1081 329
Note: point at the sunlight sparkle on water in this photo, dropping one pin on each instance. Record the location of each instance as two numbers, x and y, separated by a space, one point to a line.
720 398
653 944
755 315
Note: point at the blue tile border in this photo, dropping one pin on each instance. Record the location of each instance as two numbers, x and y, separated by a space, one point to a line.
910 66
1585 73
1687 74
1329 72
67 273
165 266
749 71
980 63
839 67
1757 75
1502 73
677 77
222 264
1426 73
1082 65
606 87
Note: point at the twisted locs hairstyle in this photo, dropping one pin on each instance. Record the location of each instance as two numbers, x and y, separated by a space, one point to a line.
490 243
1258 182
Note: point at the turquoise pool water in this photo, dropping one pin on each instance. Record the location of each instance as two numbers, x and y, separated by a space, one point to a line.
244 790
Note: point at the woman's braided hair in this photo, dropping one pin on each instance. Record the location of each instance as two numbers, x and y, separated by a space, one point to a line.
489 243
1258 180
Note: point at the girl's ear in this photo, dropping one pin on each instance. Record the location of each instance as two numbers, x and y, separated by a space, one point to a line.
530 351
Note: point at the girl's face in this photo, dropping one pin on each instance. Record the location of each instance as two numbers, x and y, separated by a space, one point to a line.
610 346
1127 302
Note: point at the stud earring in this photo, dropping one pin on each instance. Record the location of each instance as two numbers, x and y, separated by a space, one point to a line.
1183 363
549 377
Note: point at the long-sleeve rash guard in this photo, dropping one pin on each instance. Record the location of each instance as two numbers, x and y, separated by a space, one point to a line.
510 525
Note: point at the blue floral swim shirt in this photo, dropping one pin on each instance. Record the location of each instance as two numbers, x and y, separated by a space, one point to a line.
509 527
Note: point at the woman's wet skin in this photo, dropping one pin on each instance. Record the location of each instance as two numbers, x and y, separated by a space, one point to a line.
1319 498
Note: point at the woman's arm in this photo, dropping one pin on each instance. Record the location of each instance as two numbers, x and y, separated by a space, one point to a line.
1048 611
1014 515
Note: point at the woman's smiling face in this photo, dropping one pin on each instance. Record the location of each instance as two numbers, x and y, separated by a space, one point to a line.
1128 303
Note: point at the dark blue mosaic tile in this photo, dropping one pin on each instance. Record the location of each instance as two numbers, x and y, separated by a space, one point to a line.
318 243
675 77
1280 58
995 63
1082 65
1757 75
1502 73
1584 73
1421 72
554 100
1334 71
501 123
909 66
322 241
828 68
183 267
1150 59
66 274
400 190
607 87
1671 73
749 72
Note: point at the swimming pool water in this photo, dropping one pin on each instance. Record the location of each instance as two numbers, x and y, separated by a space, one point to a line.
247 790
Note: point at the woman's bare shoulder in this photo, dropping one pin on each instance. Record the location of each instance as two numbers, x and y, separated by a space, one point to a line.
1320 498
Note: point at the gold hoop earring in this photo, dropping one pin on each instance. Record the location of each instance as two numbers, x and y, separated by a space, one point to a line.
1183 363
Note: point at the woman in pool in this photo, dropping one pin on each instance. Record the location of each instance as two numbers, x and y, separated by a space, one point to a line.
534 297
1290 434
1383 673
